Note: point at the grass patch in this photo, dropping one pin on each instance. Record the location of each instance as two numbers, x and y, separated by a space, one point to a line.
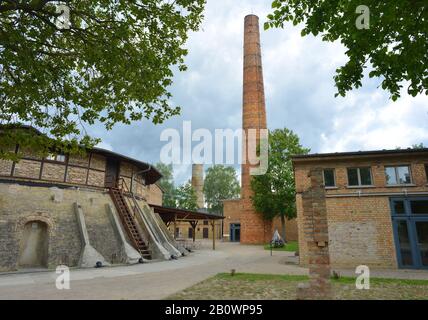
292 246
260 277
343 280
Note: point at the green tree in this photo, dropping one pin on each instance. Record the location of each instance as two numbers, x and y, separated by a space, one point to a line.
220 183
112 64
418 146
395 42
186 197
274 192
167 185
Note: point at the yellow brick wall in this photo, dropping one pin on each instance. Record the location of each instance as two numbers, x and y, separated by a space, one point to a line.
360 227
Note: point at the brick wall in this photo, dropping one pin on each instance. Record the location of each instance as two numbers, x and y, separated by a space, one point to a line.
27 169
184 227
232 212
360 231
154 195
54 172
88 169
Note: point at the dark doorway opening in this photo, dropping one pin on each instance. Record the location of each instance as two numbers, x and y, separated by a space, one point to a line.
112 173
235 232
205 233
190 235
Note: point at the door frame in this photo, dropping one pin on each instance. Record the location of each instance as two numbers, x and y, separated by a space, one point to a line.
205 233
411 220
417 249
117 173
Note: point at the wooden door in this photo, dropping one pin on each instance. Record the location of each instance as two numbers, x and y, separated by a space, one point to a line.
112 173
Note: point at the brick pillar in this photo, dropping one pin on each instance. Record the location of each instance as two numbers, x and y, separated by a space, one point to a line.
253 228
315 232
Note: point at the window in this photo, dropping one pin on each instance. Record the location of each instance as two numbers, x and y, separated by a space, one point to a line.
399 207
398 175
426 172
56 157
329 180
359 177
419 206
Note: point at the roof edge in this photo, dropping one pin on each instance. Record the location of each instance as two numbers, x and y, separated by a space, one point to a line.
323 156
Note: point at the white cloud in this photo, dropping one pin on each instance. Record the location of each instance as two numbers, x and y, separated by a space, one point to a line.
372 122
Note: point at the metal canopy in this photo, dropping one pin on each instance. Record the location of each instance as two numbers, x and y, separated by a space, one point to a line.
173 214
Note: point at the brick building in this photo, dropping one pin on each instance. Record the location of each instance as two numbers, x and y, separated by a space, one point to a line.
376 203
80 209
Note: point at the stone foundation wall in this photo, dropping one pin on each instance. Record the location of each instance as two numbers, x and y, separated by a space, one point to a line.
20 204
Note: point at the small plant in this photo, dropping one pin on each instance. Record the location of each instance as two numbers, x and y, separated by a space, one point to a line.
232 272
279 243
335 275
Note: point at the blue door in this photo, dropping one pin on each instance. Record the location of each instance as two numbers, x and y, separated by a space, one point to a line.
410 223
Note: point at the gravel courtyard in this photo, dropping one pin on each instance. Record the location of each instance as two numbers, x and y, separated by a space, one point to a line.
273 287
160 280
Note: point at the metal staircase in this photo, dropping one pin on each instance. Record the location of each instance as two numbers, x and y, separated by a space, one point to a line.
128 219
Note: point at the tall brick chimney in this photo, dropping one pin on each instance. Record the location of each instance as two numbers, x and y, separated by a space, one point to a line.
198 183
253 228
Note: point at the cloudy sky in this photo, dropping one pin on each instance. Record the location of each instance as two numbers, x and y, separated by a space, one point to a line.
299 91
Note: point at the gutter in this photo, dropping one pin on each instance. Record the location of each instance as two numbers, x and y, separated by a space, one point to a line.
377 194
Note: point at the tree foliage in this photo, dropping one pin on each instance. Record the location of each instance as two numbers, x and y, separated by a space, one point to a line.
220 183
418 146
274 192
186 197
167 185
113 64
395 43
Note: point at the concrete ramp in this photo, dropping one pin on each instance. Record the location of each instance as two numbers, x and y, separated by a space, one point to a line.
169 238
128 253
158 237
89 256
162 232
